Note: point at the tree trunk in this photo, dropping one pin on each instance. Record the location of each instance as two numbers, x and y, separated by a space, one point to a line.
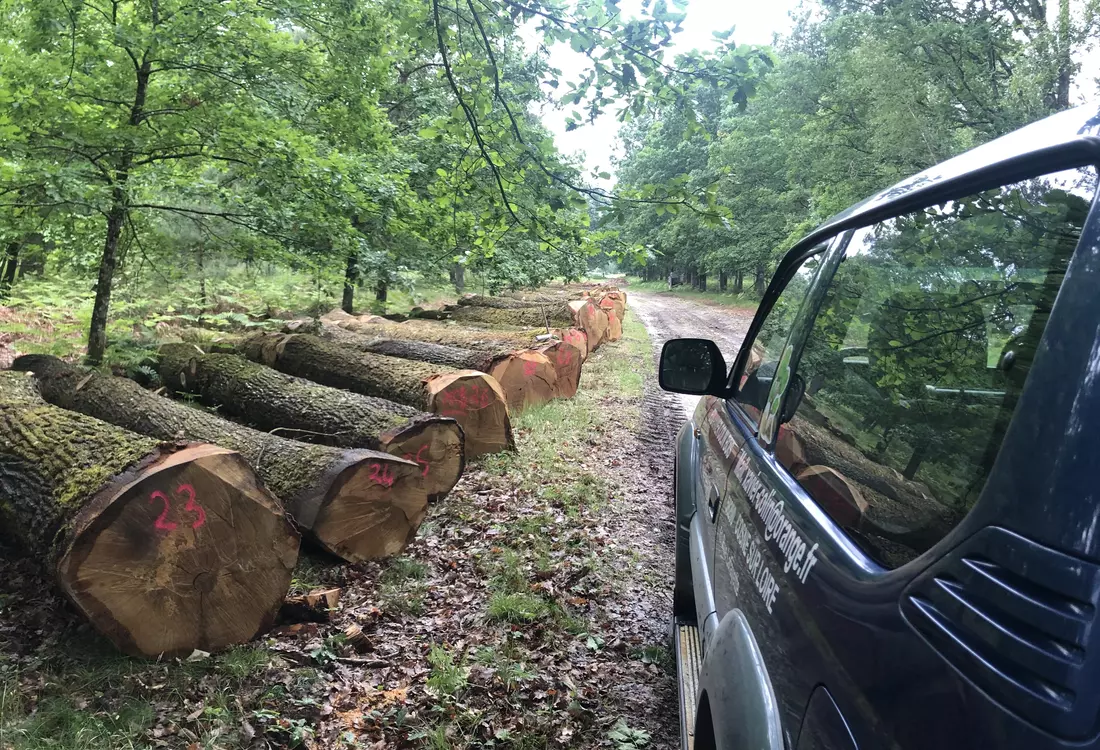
722 281
527 377
702 279
138 532
97 331
760 285
458 277
295 408
1065 56
739 282
11 264
473 399
915 461
381 290
351 279
566 355
356 504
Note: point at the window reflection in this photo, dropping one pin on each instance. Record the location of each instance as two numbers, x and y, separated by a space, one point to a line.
918 356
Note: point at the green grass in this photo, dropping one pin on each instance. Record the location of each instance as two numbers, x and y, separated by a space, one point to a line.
447 678
746 300
518 608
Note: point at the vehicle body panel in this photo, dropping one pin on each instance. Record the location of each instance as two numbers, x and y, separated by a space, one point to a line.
845 653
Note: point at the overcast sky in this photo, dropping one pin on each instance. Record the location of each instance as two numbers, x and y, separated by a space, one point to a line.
755 22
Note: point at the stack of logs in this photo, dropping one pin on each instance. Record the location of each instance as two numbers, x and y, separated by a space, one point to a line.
172 520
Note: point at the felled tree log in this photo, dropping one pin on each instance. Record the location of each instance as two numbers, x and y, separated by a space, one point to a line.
525 317
357 504
505 303
273 401
612 301
527 377
576 337
164 547
592 320
564 358
473 399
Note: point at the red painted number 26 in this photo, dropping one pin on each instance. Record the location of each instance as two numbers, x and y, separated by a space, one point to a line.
184 490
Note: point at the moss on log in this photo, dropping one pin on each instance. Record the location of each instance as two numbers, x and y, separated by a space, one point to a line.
164 547
357 504
472 398
526 376
275 402
526 317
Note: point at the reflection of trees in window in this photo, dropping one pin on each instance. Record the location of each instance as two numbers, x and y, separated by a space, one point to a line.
923 342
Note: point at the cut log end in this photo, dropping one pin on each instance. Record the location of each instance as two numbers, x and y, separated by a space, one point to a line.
592 320
527 379
372 508
185 552
436 446
614 326
476 401
575 336
566 360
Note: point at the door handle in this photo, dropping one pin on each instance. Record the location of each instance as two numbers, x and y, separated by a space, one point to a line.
713 498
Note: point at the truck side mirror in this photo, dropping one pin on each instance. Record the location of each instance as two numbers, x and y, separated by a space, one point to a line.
692 366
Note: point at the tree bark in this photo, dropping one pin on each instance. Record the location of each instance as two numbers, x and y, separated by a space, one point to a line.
274 402
357 504
11 264
566 355
739 282
458 277
723 280
528 317
702 281
527 377
97 331
760 285
351 279
472 398
381 290
137 531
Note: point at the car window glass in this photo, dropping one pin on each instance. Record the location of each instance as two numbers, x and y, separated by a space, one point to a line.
767 347
918 355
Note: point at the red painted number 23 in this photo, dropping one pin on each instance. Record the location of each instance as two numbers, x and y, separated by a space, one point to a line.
184 490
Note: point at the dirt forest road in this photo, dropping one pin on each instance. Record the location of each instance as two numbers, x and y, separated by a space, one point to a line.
667 316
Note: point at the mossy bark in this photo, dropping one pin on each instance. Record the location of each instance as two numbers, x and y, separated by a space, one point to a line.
135 529
433 333
437 354
276 402
526 317
311 480
472 398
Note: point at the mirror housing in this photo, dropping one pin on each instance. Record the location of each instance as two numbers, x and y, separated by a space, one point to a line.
692 366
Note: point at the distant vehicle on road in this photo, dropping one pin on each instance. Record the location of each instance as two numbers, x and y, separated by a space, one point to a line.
888 513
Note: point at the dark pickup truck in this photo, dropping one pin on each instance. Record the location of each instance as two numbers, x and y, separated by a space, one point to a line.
888 509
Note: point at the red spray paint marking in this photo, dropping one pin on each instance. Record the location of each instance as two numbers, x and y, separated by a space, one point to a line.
162 523
419 460
530 368
565 356
456 402
381 475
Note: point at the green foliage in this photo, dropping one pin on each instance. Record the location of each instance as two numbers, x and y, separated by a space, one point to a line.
447 678
860 96
624 738
517 608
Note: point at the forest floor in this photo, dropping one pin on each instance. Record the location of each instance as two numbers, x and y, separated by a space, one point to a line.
531 611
